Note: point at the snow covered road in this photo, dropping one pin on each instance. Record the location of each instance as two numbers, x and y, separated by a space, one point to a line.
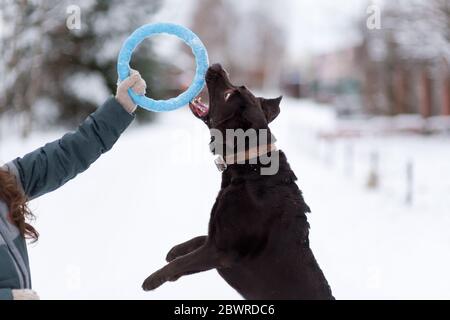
105 232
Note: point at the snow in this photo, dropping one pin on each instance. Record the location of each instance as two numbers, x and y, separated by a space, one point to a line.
105 232
91 85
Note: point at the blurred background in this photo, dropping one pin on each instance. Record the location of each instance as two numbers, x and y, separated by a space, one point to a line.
365 123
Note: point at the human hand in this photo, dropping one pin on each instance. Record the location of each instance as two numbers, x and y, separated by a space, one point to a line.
24 294
137 84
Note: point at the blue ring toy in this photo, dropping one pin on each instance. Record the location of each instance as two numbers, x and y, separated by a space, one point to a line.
191 39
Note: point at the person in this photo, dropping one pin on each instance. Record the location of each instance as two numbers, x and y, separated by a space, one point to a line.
47 169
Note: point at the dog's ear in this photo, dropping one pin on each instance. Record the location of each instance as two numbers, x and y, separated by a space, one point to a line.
271 108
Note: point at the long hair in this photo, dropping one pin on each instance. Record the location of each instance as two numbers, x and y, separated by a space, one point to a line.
17 205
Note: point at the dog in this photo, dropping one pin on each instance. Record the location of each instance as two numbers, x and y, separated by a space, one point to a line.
258 230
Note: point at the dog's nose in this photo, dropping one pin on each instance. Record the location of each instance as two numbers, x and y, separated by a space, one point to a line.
217 67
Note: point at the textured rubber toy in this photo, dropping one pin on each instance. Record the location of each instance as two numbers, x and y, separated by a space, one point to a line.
191 39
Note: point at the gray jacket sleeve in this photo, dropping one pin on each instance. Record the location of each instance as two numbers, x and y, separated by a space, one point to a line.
6 294
51 166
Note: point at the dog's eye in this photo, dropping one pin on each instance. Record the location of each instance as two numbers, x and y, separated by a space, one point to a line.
228 94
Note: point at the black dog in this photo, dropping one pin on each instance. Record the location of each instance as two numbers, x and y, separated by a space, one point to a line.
258 232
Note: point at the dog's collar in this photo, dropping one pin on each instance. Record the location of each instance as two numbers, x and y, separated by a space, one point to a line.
222 162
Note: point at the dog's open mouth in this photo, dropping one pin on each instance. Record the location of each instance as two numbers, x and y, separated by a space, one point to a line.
199 108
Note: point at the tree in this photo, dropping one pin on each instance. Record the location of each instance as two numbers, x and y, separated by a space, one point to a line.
247 40
63 72
414 39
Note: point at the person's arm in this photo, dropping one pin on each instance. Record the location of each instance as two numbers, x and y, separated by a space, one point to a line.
51 166
6 294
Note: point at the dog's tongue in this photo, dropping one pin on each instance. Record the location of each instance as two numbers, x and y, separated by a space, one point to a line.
198 107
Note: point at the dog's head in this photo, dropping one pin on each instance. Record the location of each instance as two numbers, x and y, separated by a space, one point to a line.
233 107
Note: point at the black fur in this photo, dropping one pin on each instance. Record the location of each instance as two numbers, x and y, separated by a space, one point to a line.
258 231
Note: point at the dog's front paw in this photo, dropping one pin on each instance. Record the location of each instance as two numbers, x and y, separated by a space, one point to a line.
153 282
172 254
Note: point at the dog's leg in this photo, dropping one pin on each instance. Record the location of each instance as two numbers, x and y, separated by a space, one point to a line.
185 248
204 258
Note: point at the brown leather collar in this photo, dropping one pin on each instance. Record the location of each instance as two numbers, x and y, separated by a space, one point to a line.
243 156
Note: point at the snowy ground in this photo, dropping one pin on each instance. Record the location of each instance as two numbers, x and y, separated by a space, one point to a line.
104 232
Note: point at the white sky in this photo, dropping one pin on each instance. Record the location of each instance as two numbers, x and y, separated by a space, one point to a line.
322 25
311 25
